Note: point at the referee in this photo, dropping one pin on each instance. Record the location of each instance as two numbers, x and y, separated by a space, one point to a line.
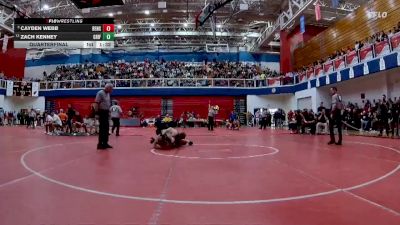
211 116
103 101
336 117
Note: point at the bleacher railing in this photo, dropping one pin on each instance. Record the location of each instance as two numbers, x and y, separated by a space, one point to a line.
165 83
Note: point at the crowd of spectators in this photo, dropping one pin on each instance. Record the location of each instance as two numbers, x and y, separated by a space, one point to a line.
163 73
373 39
307 121
55 122
372 117
378 115
11 118
266 118
186 119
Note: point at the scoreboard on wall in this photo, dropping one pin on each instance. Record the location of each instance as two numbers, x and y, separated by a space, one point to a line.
64 33
22 88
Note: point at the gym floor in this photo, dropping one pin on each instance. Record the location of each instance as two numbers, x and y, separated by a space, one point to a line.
245 177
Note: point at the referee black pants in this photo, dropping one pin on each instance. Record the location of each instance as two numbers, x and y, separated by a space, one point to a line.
116 125
210 123
104 126
263 123
336 120
69 124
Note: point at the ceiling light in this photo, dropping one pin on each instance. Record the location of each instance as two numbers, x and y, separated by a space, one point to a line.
46 7
110 14
219 26
119 13
185 24
244 7
152 24
162 5
245 38
119 26
147 12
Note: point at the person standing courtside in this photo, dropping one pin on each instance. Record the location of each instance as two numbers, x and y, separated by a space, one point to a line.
116 113
336 117
211 116
264 119
71 115
31 119
103 101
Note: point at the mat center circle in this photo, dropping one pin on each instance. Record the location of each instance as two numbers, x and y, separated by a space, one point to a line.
218 151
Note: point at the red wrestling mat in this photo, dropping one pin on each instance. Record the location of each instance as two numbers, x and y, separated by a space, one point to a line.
227 177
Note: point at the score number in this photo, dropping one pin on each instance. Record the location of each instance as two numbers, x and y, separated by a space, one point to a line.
108 32
107 37
108 28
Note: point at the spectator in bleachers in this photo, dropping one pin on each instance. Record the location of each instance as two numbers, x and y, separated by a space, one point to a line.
161 69
374 38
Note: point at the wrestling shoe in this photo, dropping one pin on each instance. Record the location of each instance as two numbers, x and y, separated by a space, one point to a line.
101 147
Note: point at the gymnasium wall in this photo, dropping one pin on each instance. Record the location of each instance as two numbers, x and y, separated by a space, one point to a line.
151 106
12 62
199 104
15 103
283 101
306 99
373 86
34 67
293 40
